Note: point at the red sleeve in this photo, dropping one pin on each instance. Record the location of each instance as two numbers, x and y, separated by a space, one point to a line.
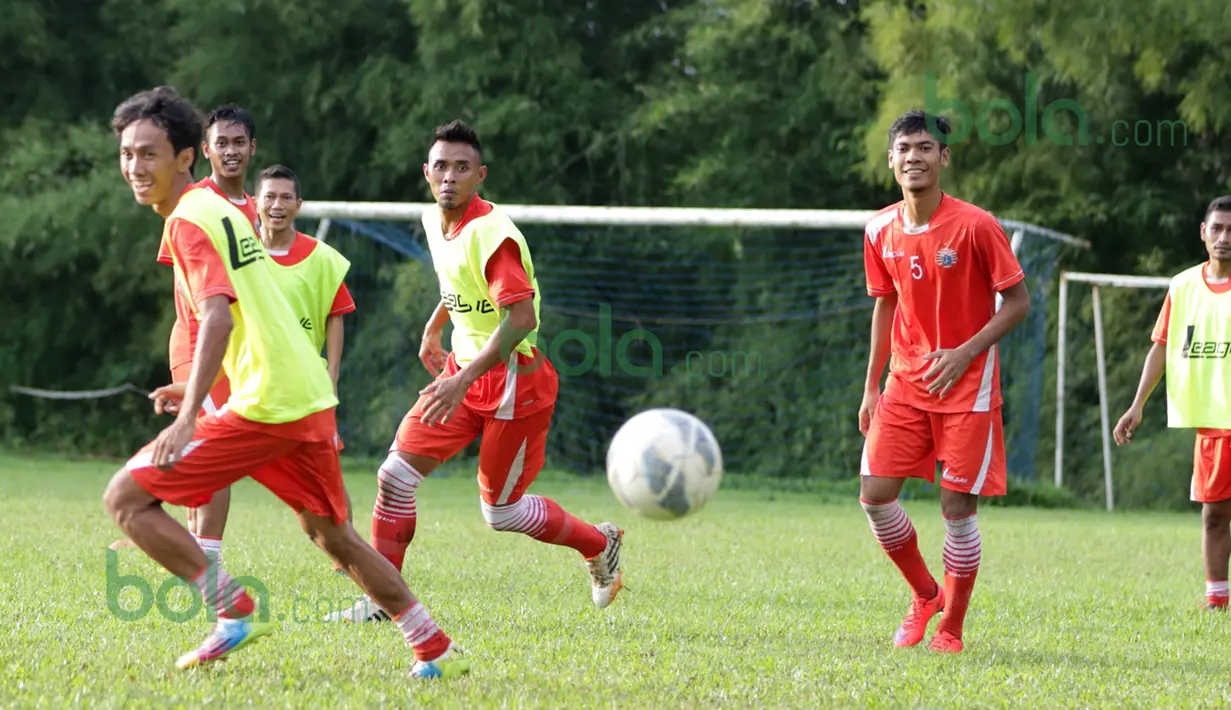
507 282
342 302
879 283
1164 319
201 262
994 250
164 251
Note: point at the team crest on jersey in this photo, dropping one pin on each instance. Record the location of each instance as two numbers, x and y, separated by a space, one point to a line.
946 257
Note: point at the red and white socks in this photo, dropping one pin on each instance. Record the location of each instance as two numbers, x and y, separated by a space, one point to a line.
394 515
963 552
422 633
222 594
892 528
1216 593
211 546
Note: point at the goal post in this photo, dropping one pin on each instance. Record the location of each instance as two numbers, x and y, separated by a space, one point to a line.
1095 280
753 319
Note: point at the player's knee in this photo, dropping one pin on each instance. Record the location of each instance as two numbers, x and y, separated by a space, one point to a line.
1216 517
115 498
397 478
503 518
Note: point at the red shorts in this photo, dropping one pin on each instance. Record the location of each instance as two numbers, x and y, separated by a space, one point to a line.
296 461
906 442
217 396
1211 469
510 456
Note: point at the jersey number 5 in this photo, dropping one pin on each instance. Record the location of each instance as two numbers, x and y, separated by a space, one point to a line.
916 269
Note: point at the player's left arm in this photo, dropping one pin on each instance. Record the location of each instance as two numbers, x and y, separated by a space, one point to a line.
334 333
995 256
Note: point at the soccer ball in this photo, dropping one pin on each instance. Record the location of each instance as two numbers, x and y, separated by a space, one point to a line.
664 464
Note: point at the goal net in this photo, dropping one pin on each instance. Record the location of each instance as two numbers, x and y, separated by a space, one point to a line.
1104 323
754 320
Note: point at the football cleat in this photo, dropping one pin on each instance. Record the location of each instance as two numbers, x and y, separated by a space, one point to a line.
363 610
228 636
606 577
450 664
915 625
945 642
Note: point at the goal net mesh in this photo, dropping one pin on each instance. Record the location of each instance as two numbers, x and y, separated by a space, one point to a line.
762 333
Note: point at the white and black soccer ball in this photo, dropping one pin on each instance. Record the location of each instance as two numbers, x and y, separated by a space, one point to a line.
664 464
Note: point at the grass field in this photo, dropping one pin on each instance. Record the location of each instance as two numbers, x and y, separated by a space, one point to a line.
763 600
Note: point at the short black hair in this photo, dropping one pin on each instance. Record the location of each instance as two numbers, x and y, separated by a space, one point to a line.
457 131
231 113
171 112
918 121
276 172
1220 204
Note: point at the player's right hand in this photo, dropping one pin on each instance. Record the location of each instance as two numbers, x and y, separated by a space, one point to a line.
1128 424
168 397
867 410
432 355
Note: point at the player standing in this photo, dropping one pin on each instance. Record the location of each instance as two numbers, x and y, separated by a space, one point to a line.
312 274
934 264
229 146
278 426
495 383
1192 338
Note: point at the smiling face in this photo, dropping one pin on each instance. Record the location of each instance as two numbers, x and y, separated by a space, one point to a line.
917 159
229 149
149 162
278 203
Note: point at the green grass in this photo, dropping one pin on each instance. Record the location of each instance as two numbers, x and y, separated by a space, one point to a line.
763 600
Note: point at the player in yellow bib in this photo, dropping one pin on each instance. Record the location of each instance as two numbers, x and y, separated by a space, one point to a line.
495 383
278 425
1192 346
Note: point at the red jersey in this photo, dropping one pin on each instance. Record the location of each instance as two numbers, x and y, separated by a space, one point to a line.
1160 336
946 274
183 340
299 250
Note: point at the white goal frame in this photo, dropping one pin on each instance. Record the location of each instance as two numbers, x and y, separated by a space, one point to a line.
1095 281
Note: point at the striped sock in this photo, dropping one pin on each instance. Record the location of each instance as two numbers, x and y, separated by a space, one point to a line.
221 593
211 546
422 633
963 552
1216 592
892 528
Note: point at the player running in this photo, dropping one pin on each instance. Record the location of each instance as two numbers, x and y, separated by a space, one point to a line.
278 426
229 146
1191 340
495 383
934 265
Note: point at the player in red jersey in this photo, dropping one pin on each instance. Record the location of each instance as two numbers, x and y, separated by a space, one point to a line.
935 265
495 383
279 427
229 146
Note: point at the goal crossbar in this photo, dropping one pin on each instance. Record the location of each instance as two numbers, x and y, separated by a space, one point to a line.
640 216
1095 281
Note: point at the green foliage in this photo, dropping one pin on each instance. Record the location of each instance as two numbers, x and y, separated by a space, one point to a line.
759 103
